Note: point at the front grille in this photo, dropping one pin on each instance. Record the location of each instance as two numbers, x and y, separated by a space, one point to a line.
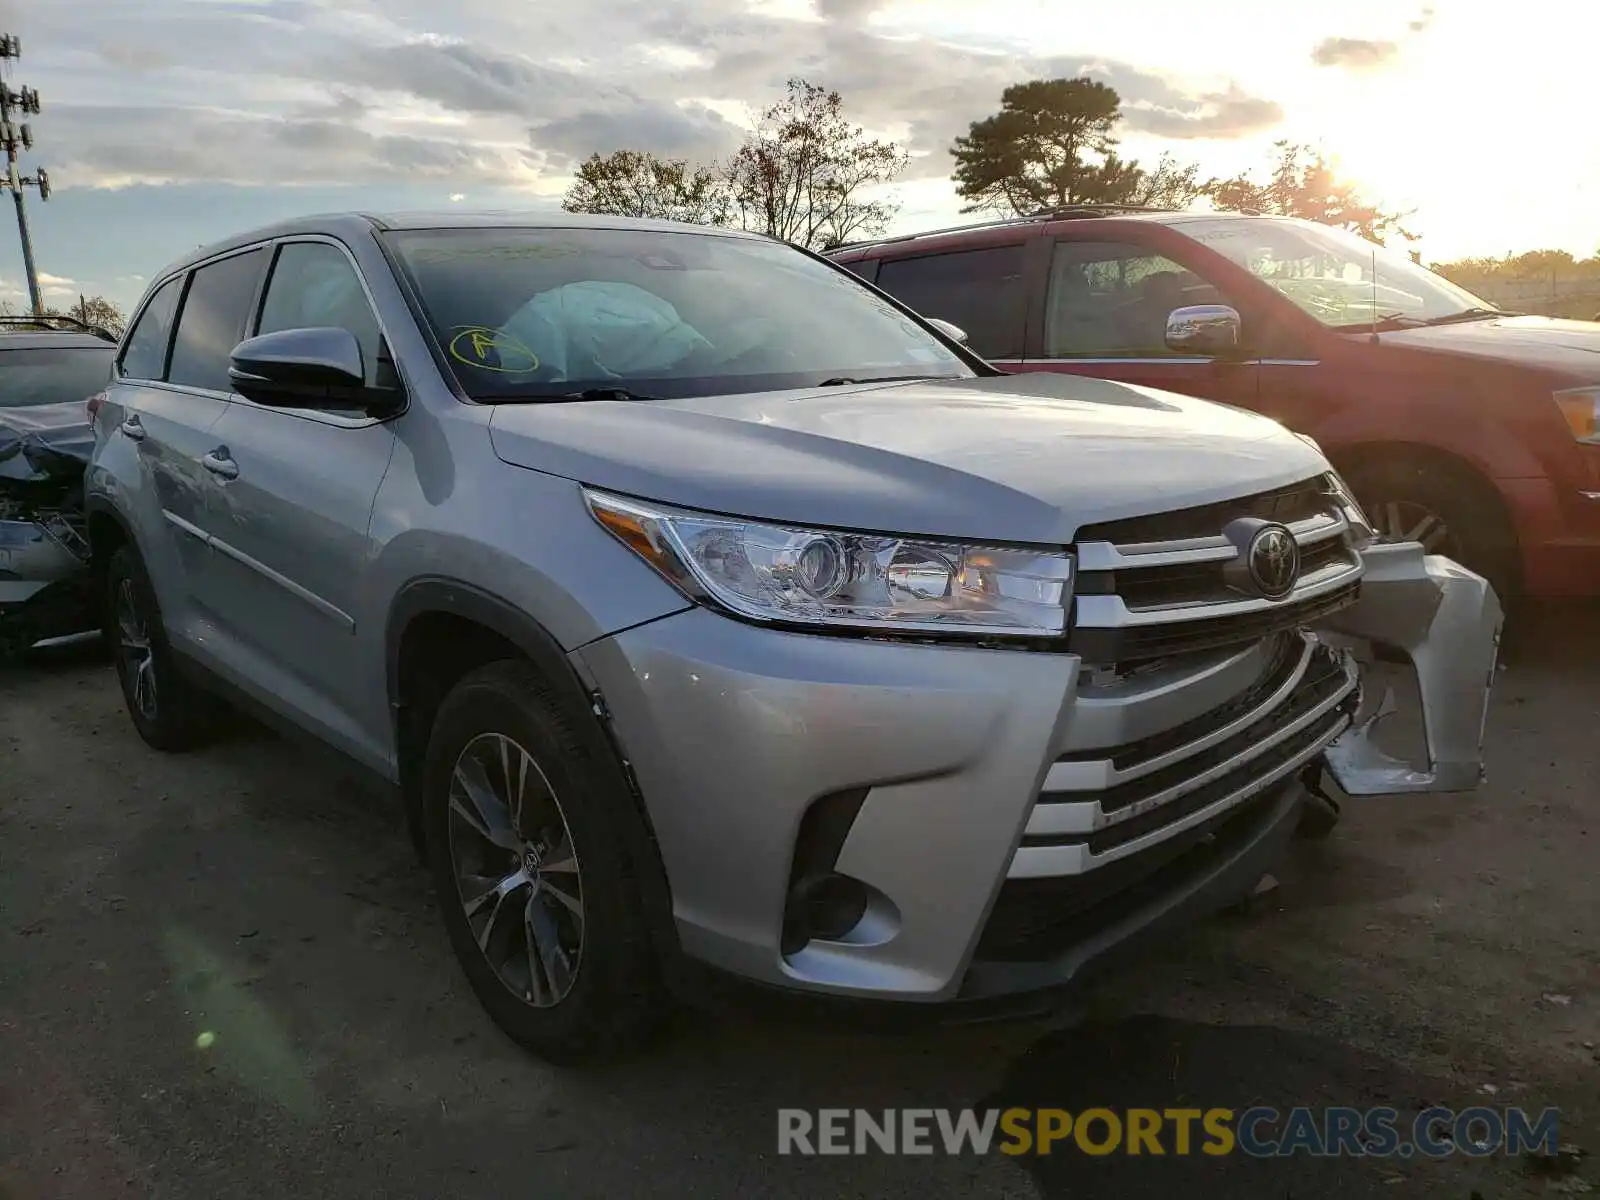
1197 632
1143 588
1095 805
1176 583
1287 505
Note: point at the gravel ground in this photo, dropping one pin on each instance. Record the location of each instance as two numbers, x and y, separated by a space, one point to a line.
221 975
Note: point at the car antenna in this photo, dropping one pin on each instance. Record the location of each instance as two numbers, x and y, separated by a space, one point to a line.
1375 293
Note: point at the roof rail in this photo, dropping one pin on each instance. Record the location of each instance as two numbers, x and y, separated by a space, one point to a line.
53 322
1067 213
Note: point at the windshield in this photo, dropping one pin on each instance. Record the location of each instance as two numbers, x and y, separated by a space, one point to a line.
53 375
535 313
1329 272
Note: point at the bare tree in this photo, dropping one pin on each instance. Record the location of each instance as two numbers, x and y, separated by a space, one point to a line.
801 173
637 183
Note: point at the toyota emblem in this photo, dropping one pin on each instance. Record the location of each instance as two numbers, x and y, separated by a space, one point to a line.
1273 560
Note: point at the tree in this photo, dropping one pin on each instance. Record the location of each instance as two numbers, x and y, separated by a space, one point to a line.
91 310
1303 184
636 183
1051 146
1038 151
97 310
1169 185
802 172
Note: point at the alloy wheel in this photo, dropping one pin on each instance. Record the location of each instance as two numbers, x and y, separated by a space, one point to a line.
135 653
1407 521
516 870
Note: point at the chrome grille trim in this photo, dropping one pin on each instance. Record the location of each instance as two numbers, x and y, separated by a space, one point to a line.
1035 862
1111 612
1100 774
1107 556
1057 814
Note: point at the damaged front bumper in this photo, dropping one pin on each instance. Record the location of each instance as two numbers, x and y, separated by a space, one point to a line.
1445 622
45 590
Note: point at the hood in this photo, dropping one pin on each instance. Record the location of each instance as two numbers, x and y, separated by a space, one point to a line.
1018 458
1568 347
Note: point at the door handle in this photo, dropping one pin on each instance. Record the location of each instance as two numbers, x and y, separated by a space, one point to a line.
220 463
133 428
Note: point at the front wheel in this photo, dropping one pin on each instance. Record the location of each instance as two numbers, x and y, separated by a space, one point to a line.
527 850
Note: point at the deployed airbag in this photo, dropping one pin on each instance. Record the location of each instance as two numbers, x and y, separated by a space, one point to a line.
602 330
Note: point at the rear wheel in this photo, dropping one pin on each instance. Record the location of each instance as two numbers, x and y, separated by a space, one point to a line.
169 712
1447 510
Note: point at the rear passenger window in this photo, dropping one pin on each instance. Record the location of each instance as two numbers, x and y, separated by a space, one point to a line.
314 286
867 268
145 355
215 313
979 290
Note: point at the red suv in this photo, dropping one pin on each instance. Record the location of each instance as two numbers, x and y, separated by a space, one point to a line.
1474 431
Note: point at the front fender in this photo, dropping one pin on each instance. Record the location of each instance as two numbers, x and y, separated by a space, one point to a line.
1446 621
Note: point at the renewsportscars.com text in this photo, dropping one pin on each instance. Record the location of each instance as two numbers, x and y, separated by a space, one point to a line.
1261 1132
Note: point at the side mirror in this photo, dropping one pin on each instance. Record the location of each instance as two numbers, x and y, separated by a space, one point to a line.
305 368
1212 330
954 332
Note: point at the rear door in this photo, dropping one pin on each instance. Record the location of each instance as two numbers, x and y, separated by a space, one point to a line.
1105 310
983 290
172 388
292 553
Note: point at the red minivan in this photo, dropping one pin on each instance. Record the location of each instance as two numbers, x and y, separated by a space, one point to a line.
1474 431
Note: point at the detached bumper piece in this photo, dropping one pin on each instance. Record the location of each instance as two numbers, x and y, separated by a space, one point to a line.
1446 621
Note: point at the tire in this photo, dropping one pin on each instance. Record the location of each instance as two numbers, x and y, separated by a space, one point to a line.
168 710
569 988
1449 511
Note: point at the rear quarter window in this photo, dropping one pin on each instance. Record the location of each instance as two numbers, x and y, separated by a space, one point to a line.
145 354
980 290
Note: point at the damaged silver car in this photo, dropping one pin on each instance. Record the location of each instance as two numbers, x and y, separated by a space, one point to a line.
49 369
713 617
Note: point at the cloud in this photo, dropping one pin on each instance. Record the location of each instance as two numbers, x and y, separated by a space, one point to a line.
114 147
1359 54
275 92
48 280
1222 115
1367 54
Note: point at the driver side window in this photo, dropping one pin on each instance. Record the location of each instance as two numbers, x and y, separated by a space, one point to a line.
313 285
1111 300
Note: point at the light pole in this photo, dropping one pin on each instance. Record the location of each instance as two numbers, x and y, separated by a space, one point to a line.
15 137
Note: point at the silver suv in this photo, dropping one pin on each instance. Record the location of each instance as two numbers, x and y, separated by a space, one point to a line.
716 617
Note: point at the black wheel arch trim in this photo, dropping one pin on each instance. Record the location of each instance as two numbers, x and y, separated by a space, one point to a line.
426 595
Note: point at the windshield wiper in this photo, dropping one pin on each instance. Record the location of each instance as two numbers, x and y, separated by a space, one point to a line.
845 380
1476 313
594 393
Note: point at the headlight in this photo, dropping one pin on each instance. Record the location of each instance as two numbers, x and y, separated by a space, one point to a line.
1340 491
861 581
1581 407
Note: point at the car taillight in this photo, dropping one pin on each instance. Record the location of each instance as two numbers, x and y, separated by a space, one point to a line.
93 405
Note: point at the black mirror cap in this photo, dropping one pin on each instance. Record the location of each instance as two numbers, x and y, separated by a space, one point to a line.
320 367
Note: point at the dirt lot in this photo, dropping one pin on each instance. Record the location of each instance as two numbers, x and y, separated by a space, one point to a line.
222 976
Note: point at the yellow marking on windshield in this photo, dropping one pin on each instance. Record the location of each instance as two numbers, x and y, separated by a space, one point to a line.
496 350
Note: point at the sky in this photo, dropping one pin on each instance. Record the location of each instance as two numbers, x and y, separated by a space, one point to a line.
169 123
